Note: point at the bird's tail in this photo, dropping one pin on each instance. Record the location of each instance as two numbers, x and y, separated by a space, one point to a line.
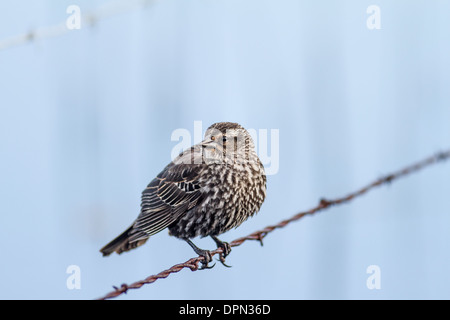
124 242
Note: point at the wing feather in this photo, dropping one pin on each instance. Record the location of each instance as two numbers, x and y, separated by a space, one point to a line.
172 193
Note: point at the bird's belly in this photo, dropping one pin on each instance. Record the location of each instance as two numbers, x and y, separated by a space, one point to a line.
223 207
204 221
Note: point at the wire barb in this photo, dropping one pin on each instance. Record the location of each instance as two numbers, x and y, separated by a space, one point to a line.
193 263
103 12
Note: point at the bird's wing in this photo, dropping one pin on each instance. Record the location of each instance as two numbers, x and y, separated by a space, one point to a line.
174 191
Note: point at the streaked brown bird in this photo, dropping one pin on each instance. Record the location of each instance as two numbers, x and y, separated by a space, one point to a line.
208 189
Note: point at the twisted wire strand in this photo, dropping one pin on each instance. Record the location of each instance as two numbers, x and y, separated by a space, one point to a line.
103 12
193 263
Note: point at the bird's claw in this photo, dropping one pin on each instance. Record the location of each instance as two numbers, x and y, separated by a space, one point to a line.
207 258
222 260
226 249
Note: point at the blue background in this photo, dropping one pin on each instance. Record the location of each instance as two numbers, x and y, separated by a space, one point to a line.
86 120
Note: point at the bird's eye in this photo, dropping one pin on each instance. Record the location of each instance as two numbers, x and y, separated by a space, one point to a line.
224 139
213 138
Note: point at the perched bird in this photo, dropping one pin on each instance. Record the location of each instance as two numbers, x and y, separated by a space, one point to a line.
208 189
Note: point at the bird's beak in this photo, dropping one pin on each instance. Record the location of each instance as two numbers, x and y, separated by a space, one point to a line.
207 143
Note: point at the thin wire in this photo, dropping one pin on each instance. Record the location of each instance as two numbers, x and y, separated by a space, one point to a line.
193 263
107 10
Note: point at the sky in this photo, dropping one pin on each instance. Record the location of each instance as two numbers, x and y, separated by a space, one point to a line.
342 91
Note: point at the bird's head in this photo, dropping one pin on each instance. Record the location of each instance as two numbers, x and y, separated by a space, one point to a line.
227 141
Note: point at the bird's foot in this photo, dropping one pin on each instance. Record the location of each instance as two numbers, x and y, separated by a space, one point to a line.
207 258
205 254
226 249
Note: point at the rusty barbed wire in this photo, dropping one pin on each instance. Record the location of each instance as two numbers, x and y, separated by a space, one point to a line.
103 12
193 263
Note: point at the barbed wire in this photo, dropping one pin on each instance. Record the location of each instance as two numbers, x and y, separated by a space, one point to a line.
193 263
107 10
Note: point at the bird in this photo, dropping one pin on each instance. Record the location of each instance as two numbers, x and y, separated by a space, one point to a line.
206 190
